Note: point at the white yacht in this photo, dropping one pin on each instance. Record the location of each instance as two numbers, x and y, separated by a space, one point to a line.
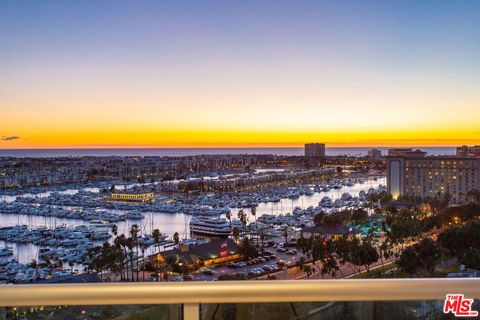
309 192
210 226
101 224
326 202
5 252
134 215
346 197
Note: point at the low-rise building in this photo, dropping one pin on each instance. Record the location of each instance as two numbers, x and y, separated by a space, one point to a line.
374 153
143 197
204 254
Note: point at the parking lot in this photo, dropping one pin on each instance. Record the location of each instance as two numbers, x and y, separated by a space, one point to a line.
274 258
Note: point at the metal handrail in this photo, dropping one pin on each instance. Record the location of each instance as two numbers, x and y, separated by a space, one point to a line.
190 293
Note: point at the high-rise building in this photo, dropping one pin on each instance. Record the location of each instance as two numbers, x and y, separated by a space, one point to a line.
315 150
411 172
374 153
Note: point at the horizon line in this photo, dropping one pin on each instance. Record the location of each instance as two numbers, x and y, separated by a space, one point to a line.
230 147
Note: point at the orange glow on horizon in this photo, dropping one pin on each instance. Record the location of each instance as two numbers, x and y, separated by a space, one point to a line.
236 139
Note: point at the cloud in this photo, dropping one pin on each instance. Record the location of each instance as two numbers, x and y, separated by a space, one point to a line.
9 138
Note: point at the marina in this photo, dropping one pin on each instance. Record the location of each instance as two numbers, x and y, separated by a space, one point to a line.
278 206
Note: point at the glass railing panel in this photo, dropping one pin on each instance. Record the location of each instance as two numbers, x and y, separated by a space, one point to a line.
102 312
363 310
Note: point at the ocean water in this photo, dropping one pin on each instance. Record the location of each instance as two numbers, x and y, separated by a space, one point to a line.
162 152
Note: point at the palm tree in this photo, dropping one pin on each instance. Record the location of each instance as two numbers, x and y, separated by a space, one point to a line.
34 265
142 247
59 264
235 233
243 218
156 235
262 238
228 215
176 238
172 261
115 230
48 262
121 241
253 211
130 245
116 259
71 264
134 232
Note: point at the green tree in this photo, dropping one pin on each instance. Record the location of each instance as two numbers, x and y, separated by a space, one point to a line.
338 218
471 258
318 218
304 244
359 216
404 227
323 250
362 253
458 239
247 250
419 260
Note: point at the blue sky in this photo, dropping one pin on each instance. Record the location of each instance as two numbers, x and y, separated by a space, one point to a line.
313 62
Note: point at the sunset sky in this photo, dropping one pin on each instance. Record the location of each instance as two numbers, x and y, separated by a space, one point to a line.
238 73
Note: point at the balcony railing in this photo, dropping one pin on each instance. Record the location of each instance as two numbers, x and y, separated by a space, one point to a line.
192 294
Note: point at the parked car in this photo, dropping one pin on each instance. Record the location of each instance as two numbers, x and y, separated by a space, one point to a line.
275 267
175 279
210 272
281 263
